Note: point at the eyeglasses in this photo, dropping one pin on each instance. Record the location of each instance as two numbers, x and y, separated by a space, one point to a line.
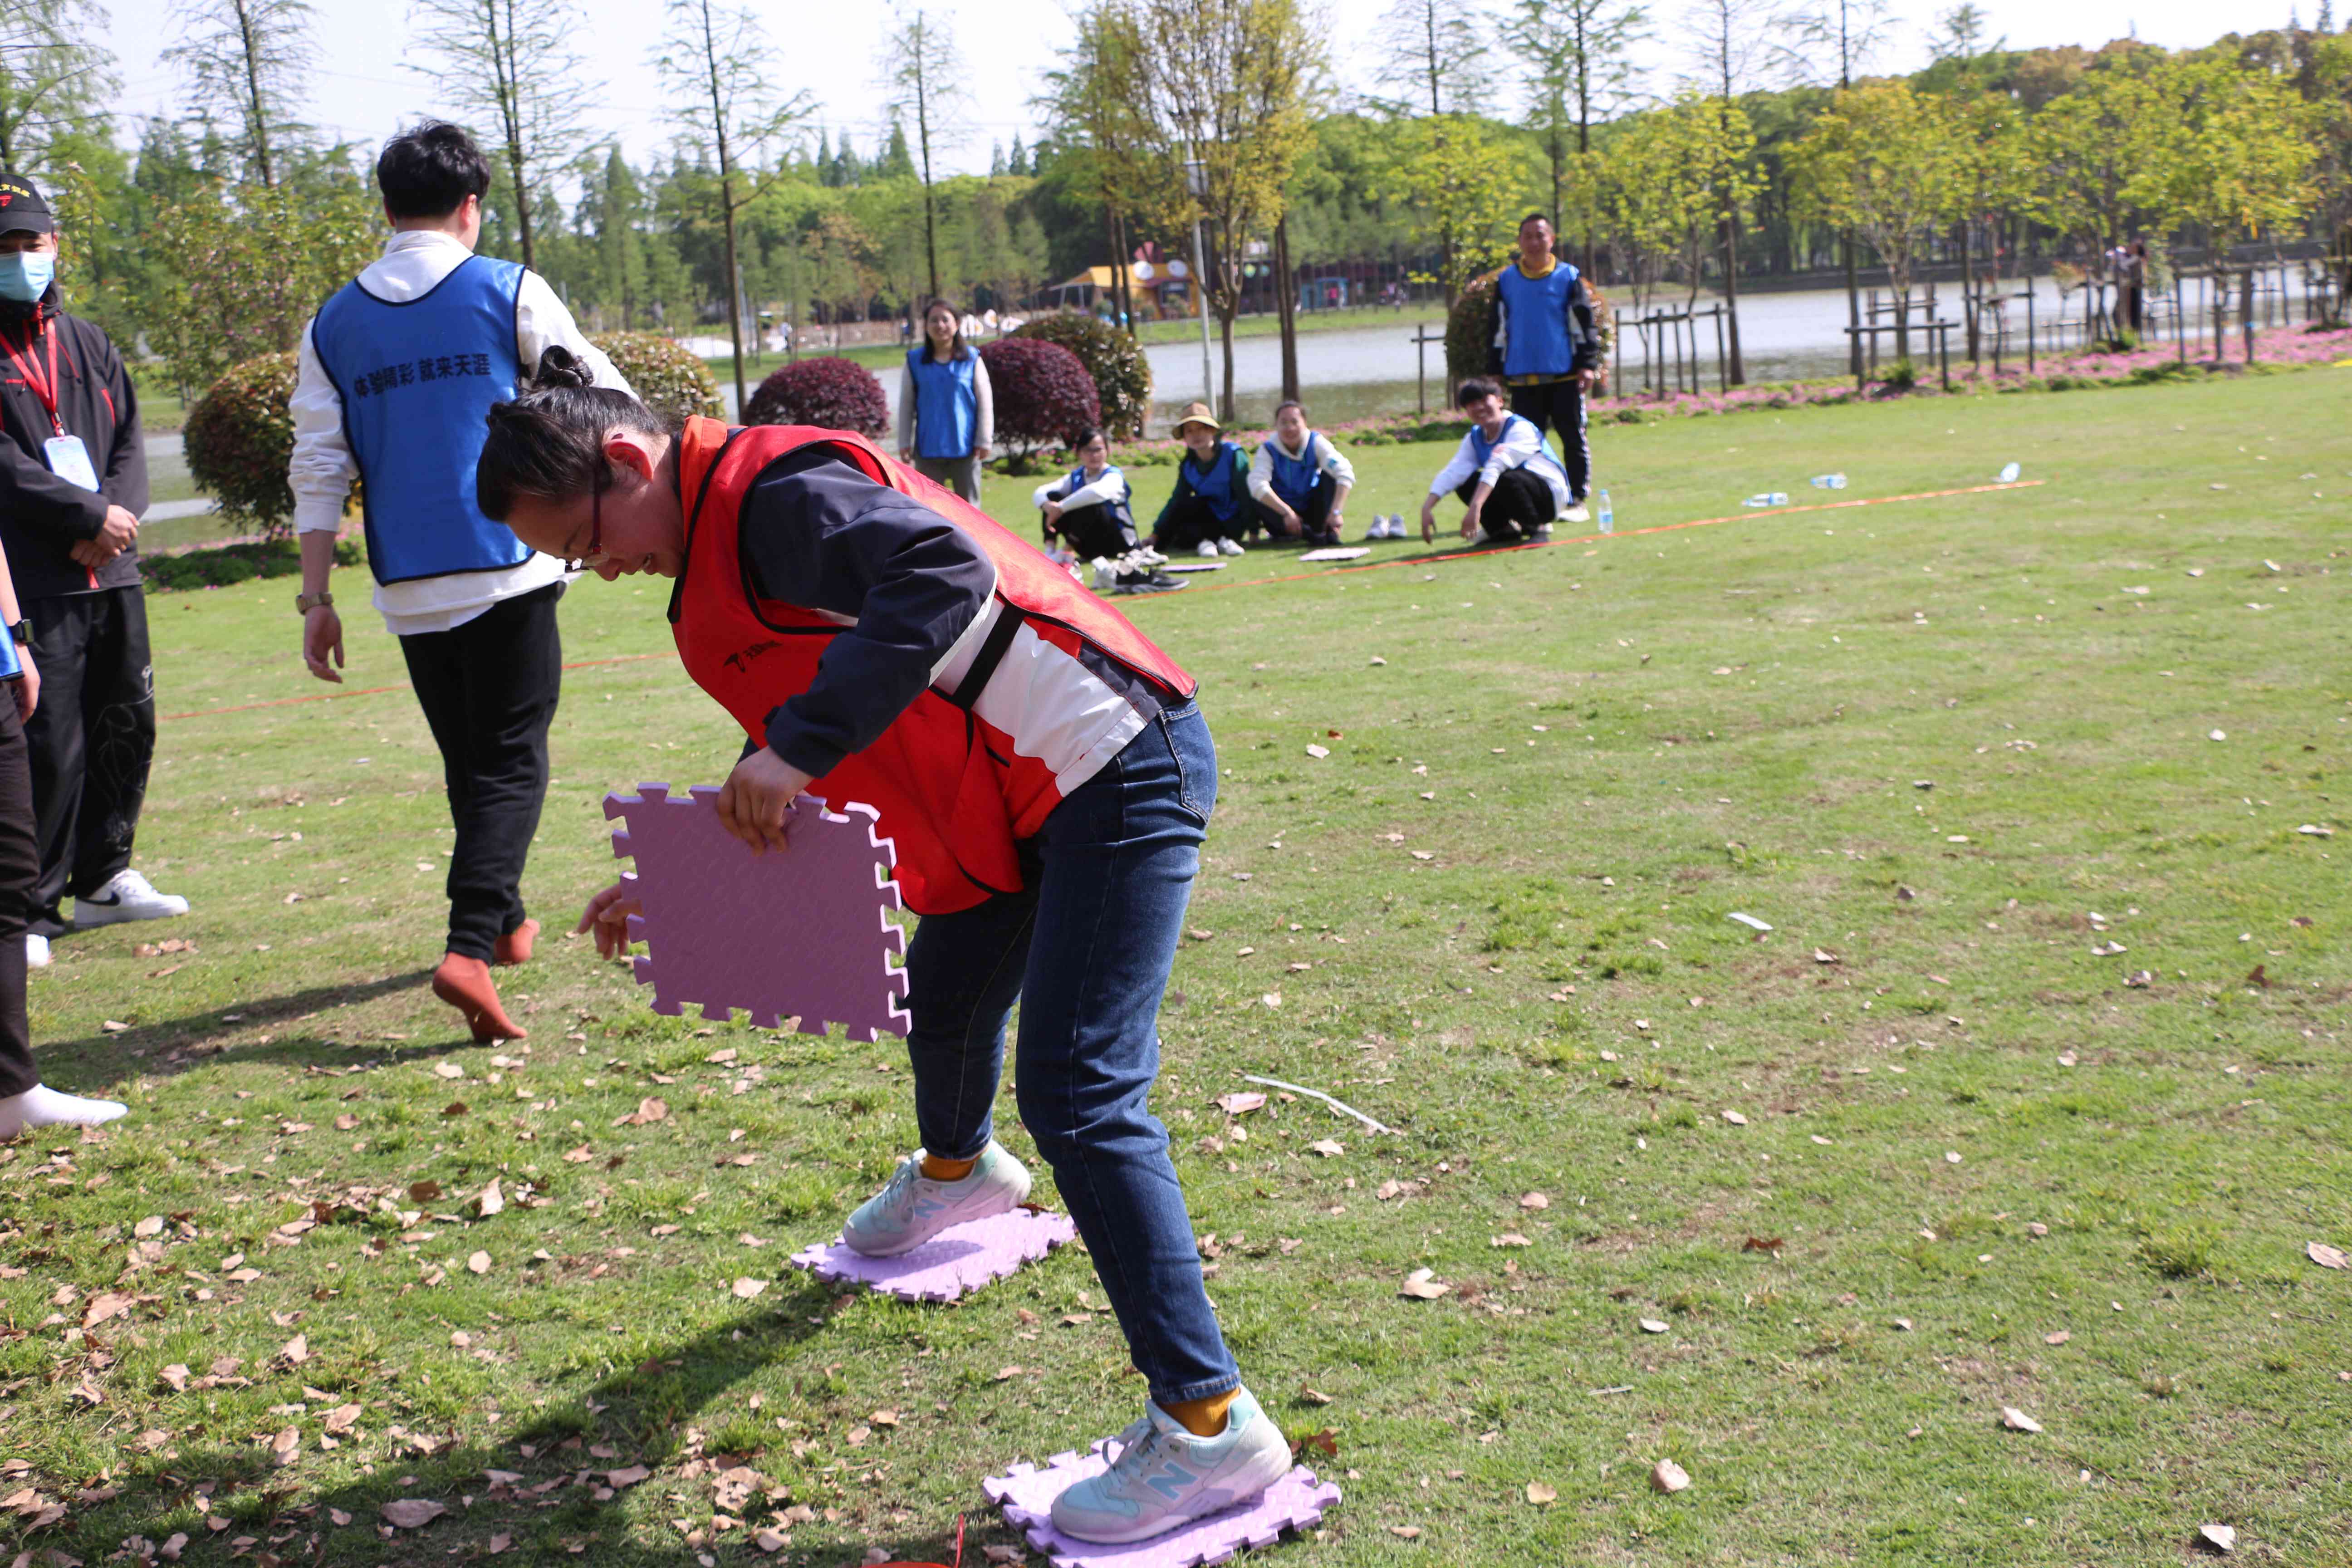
595 550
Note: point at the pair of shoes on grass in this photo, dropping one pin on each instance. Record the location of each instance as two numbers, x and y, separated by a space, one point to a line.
1163 1475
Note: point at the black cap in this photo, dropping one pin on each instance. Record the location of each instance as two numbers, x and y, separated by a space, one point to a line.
21 205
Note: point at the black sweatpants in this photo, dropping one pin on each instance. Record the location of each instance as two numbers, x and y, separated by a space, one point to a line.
1096 530
92 739
1315 516
1184 527
489 691
20 865
1519 503
1559 406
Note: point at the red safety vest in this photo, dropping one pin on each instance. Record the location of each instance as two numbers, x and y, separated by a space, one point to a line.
955 791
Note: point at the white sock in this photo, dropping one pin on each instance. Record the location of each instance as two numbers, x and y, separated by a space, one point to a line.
41 1106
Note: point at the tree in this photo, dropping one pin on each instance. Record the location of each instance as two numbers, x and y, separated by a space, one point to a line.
1227 92
52 82
612 204
2091 149
717 64
1453 176
1095 102
1991 169
1879 161
1728 43
1437 51
248 61
1822 44
920 74
510 64
1579 57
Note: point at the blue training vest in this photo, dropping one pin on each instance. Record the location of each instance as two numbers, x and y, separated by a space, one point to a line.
1217 486
1542 462
417 379
1294 478
947 403
1537 342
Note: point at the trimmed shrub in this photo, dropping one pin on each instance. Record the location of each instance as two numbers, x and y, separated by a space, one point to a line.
667 377
828 391
1043 395
225 564
240 439
1122 374
1470 332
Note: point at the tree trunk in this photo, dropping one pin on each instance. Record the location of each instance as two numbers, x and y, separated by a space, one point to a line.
260 123
1285 301
504 69
923 137
1967 286
1225 309
1731 295
726 200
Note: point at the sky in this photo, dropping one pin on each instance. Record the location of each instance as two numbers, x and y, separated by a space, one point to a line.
363 90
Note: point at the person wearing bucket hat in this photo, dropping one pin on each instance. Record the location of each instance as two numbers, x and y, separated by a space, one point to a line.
1211 505
73 483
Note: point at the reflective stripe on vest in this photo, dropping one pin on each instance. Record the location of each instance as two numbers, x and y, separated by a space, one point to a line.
947 403
418 378
1016 716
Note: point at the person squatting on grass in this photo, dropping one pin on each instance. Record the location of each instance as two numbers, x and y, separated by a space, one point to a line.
1086 509
395 374
1211 507
947 411
25 1102
73 481
1511 484
1300 475
1048 780
1546 349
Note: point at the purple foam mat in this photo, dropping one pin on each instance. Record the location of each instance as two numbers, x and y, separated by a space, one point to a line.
956 1262
801 934
1027 1495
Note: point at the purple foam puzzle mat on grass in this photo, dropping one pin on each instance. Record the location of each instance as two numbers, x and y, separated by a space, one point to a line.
804 934
1027 1494
958 1260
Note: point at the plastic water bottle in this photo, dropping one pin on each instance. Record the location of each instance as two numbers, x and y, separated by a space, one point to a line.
1771 498
1829 481
1608 515
2008 474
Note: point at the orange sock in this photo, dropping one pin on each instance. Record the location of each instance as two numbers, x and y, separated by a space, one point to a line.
1203 1417
938 1170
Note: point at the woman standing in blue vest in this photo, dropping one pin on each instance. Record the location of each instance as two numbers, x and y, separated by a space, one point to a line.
947 415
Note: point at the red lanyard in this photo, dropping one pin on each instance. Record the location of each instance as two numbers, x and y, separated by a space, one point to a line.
47 390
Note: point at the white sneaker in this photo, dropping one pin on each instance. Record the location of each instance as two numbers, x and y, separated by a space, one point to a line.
1393 526
912 1208
1576 514
1162 1476
1543 530
1147 556
1229 546
37 951
1208 551
1378 528
127 897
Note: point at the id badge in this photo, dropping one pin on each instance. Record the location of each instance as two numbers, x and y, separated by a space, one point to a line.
69 460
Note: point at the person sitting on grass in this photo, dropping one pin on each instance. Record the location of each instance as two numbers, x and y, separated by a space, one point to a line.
1301 477
1086 510
1211 507
1510 482
1048 780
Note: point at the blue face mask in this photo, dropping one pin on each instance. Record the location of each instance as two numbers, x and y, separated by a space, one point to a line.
24 274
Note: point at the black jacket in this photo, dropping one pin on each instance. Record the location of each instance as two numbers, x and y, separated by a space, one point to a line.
42 516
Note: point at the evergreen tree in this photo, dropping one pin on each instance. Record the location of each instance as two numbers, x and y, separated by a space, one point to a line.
897 162
996 160
827 174
1016 162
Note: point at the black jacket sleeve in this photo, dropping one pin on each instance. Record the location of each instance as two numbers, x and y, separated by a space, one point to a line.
1583 335
818 533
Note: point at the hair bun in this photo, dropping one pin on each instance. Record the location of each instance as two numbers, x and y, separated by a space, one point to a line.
559 367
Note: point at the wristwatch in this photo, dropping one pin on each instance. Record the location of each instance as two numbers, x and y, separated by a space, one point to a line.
306 603
21 633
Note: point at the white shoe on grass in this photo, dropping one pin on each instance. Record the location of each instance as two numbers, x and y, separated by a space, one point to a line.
41 1106
913 1208
127 896
1229 546
1164 1475
1378 528
1576 514
37 951
1543 530
1208 551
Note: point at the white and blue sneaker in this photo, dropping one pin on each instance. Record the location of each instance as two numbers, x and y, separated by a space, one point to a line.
1164 1475
913 1208
127 896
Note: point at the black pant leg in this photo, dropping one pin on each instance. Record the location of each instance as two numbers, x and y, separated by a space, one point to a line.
20 868
1093 530
119 738
1575 441
1521 503
55 750
1533 403
1184 525
1315 517
489 688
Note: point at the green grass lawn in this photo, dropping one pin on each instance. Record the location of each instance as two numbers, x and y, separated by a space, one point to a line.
1927 1149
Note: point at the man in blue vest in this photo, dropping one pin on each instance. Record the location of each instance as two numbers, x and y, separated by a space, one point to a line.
397 374
1548 351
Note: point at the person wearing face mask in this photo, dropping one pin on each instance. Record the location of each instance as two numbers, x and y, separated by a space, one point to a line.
396 373
73 481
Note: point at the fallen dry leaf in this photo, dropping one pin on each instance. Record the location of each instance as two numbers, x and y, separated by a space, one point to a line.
1329 1148
1241 1101
1313 1396
1405 1531
2326 1256
1762 1244
647 1110
1508 1238
412 1513
2059 1338
480 1263
1535 1201
2017 1420
1651 1325
2216 1537
341 1419
284 1448
1541 1494
1666 1476
1734 1119
1422 1285
297 1350
490 1200
746 1288
628 1476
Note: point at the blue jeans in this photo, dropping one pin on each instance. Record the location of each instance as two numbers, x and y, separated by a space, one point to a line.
1086 947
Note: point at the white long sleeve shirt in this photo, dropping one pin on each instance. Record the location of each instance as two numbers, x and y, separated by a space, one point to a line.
1327 457
1520 444
1106 489
984 419
321 474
